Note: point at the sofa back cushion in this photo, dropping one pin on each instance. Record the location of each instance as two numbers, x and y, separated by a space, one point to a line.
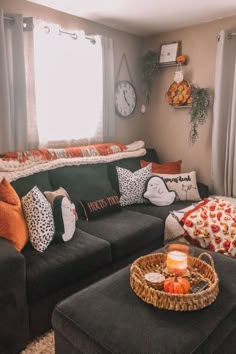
23 185
84 182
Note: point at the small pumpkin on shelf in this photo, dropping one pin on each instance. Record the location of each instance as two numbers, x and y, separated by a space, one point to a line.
176 285
181 59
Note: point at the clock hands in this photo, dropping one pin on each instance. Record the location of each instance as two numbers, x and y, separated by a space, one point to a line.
126 98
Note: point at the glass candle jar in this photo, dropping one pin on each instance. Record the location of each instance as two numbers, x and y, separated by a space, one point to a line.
177 258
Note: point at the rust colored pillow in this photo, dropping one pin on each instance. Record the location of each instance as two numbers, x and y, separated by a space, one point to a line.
12 222
168 167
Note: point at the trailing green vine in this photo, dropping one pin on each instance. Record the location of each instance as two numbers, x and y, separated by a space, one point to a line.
199 111
149 67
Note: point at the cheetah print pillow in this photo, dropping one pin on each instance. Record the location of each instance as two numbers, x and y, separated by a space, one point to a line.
132 184
39 218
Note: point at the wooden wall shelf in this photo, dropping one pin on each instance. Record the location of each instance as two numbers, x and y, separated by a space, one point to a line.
186 106
168 65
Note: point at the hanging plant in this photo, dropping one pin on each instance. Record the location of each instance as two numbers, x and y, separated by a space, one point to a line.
149 67
198 111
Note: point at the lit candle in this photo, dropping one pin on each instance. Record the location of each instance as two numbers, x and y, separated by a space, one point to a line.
177 262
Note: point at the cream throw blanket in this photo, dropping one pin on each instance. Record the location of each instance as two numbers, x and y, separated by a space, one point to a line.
13 170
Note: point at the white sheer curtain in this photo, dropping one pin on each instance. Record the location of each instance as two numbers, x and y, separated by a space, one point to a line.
17 120
70 88
108 90
224 123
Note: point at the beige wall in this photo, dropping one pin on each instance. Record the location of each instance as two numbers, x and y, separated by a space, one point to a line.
162 127
167 129
127 129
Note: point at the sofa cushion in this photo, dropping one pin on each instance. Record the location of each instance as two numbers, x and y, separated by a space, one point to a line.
63 264
126 231
23 185
159 211
84 182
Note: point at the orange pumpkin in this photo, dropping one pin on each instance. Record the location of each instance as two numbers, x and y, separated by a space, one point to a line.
181 59
176 285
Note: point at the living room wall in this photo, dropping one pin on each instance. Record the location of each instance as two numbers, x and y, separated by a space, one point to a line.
167 129
127 129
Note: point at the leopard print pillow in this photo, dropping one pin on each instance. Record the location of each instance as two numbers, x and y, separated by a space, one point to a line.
132 184
39 218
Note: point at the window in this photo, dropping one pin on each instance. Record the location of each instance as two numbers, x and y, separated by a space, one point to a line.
68 87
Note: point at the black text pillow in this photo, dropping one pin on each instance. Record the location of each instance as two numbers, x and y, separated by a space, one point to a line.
158 193
94 208
132 184
184 185
64 218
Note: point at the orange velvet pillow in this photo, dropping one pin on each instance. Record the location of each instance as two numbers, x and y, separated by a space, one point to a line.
168 167
12 222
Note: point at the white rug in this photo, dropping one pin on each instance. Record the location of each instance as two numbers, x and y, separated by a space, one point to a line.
42 345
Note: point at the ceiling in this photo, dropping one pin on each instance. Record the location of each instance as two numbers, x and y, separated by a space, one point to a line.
145 17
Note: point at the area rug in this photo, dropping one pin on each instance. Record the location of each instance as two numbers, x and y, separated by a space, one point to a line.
42 345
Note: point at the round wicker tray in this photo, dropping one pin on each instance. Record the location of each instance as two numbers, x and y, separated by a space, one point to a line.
176 302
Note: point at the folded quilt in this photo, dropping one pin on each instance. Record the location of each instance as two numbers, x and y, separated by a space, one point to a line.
209 224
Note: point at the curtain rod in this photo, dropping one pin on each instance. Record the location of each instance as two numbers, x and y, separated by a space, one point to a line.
73 35
7 18
26 24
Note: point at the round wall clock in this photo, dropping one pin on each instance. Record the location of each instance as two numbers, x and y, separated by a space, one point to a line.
125 98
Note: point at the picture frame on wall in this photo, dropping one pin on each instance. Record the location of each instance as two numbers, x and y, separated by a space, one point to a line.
169 53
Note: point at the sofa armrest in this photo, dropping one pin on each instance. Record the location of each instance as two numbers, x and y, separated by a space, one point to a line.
203 190
14 327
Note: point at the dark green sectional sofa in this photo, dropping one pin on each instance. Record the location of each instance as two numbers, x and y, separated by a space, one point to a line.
32 283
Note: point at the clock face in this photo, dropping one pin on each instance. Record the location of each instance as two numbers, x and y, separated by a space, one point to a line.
125 98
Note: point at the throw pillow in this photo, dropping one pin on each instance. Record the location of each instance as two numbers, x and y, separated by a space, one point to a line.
64 215
132 184
51 195
168 167
158 193
39 218
12 222
95 208
184 185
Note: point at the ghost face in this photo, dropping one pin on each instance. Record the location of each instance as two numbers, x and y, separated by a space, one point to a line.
158 193
69 218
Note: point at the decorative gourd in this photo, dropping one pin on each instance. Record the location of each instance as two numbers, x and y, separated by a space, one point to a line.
181 59
176 285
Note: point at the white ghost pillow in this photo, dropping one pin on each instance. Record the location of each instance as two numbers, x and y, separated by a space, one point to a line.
158 193
64 218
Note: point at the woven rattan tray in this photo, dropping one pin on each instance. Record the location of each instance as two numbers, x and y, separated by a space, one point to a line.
158 298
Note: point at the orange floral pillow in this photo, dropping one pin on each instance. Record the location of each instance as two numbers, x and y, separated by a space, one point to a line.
168 167
12 222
